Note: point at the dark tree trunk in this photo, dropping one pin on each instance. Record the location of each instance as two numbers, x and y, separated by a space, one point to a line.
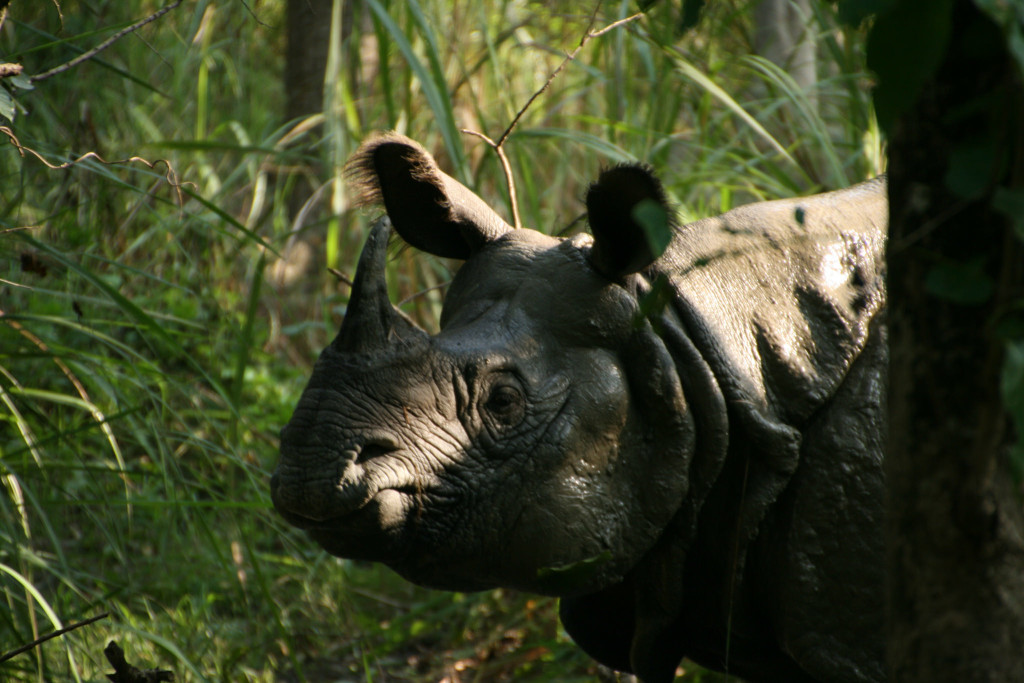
956 529
308 43
784 33
309 33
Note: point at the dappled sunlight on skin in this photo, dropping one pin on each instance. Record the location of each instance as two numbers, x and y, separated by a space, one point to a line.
576 398
582 470
148 360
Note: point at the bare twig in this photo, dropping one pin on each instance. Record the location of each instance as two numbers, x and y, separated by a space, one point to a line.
170 176
341 276
507 167
422 292
498 146
255 18
105 44
614 25
568 58
25 648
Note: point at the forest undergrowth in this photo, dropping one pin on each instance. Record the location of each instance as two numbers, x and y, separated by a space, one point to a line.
165 240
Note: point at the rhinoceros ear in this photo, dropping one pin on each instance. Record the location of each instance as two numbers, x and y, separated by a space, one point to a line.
430 210
629 218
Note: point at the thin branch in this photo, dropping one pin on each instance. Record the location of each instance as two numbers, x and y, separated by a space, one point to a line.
170 176
421 293
60 14
105 44
507 167
25 648
498 146
255 18
568 58
341 276
611 26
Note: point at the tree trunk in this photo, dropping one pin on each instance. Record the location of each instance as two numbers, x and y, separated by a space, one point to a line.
956 528
309 34
308 43
784 33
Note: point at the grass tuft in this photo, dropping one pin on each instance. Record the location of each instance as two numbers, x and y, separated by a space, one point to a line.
156 329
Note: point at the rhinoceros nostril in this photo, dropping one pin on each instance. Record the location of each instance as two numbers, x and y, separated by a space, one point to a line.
375 449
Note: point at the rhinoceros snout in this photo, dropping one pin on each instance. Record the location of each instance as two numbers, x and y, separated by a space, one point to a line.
318 482
309 497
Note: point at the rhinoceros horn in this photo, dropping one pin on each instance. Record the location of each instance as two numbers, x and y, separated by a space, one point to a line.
371 323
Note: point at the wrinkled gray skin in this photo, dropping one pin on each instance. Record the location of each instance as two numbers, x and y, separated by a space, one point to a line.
687 450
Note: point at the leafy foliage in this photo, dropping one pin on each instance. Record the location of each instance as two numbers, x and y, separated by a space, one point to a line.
1013 398
904 49
962 283
156 327
1009 16
906 29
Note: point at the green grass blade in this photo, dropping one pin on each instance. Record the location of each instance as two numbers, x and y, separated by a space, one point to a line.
434 87
137 314
698 77
228 218
244 344
814 127
47 610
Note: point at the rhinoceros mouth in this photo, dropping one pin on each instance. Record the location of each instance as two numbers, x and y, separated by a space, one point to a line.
309 494
373 532
328 503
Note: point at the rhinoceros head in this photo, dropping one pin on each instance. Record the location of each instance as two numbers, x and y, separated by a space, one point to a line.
539 441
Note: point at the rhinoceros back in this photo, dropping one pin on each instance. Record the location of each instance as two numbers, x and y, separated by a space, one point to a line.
783 300
780 294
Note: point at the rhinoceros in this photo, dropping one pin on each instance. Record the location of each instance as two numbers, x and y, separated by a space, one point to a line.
685 447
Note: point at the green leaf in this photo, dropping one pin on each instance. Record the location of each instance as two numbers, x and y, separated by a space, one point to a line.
905 48
431 81
1011 204
854 12
134 312
1009 16
971 166
653 218
692 10
246 343
22 82
654 302
1011 387
962 283
716 91
7 106
594 143
562 578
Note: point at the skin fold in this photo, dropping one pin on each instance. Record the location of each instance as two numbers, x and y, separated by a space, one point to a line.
684 444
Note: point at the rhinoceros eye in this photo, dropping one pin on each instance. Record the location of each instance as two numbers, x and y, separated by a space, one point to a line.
505 404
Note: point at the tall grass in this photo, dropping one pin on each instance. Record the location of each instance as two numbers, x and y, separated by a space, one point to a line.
152 341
